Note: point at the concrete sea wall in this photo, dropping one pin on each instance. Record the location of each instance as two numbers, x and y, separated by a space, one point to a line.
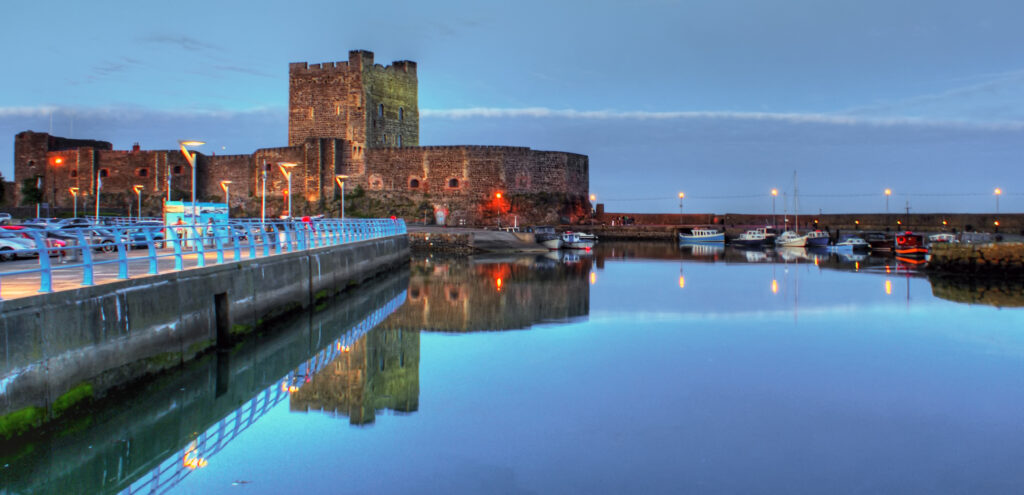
995 258
61 348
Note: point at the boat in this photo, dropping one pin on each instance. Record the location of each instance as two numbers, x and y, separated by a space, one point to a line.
853 244
576 240
697 236
880 242
754 238
942 238
909 244
817 238
546 236
791 239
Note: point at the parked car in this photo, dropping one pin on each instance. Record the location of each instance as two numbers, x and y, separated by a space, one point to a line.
11 242
5 218
137 236
25 238
74 222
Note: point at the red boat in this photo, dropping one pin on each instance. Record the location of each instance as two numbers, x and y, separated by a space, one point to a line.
909 244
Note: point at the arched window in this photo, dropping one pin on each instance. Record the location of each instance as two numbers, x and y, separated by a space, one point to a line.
142 172
104 172
31 163
74 173
177 170
414 183
399 140
380 110
453 182
401 113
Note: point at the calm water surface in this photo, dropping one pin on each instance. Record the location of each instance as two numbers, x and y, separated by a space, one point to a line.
637 368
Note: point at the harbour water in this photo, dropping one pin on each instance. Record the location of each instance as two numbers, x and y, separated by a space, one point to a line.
635 368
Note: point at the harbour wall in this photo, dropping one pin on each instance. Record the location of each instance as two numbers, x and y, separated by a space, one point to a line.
1002 258
63 348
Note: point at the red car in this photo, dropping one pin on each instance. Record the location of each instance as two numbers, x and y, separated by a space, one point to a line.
50 242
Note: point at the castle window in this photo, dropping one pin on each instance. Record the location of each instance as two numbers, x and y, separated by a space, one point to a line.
142 172
104 172
177 170
32 163
380 110
74 173
399 140
453 182
414 183
401 113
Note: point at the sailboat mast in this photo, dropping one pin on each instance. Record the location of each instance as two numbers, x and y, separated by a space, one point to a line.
796 204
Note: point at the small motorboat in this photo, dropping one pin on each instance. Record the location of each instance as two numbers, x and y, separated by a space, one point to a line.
697 236
909 244
791 239
576 240
853 244
817 238
942 238
547 237
880 242
754 238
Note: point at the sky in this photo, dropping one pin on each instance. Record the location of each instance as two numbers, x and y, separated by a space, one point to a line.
720 99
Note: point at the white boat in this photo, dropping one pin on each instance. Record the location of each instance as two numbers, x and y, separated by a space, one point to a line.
851 244
754 238
576 240
940 238
701 236
791 239
547 237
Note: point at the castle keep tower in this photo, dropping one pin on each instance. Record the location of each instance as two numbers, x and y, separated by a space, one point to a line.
370 106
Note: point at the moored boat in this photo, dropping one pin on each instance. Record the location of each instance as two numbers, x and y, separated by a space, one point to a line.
576 240
546 236
817 238
909 244
880 242
754 238
854 244
791 239
942 238
697 236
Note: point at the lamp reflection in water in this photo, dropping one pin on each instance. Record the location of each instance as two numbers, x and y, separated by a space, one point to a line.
191 459
888 287
593 278
775 286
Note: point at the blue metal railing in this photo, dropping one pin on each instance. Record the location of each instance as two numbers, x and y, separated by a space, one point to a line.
138 249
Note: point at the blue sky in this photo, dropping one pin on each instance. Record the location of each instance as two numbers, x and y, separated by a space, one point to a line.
721 99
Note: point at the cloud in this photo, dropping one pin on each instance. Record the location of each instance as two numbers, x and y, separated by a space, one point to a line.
183 42
792 118
244 70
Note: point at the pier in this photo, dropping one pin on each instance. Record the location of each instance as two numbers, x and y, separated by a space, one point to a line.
95 326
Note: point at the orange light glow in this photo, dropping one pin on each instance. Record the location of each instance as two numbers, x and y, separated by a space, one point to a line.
497 195
593 197
856 222
856 266
888 192
593 278
497 284
945 223
775 286
996 223
775 192
898 222
888 287
73 191
191 460
887 269
58 160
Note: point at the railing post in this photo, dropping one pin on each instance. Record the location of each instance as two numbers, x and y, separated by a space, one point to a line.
218 243
152 250
122 255
87 266
176 241
45 270
197 245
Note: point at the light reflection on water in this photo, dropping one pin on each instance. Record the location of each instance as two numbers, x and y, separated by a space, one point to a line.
649 368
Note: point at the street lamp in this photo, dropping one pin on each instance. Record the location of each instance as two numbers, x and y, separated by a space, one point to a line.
190 156
226 186
888 192
775 193
286 170
340 179
39 187
263 206
99 185
999 192
74 197
681 196
593 208
138 192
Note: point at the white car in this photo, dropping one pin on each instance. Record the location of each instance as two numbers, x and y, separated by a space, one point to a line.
10 242
5 218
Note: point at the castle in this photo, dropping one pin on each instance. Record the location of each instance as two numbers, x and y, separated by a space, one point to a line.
352 118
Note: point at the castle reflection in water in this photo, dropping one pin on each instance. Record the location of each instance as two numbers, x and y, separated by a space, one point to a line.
380 371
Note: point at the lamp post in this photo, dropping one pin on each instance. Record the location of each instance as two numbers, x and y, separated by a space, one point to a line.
888 192
593 208
138 192
74 198
226 186
681 196
39 187
263 206
775 193
286 170
190 156
998 193
340 179
99 185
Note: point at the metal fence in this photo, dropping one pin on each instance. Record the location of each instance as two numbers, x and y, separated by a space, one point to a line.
138 249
